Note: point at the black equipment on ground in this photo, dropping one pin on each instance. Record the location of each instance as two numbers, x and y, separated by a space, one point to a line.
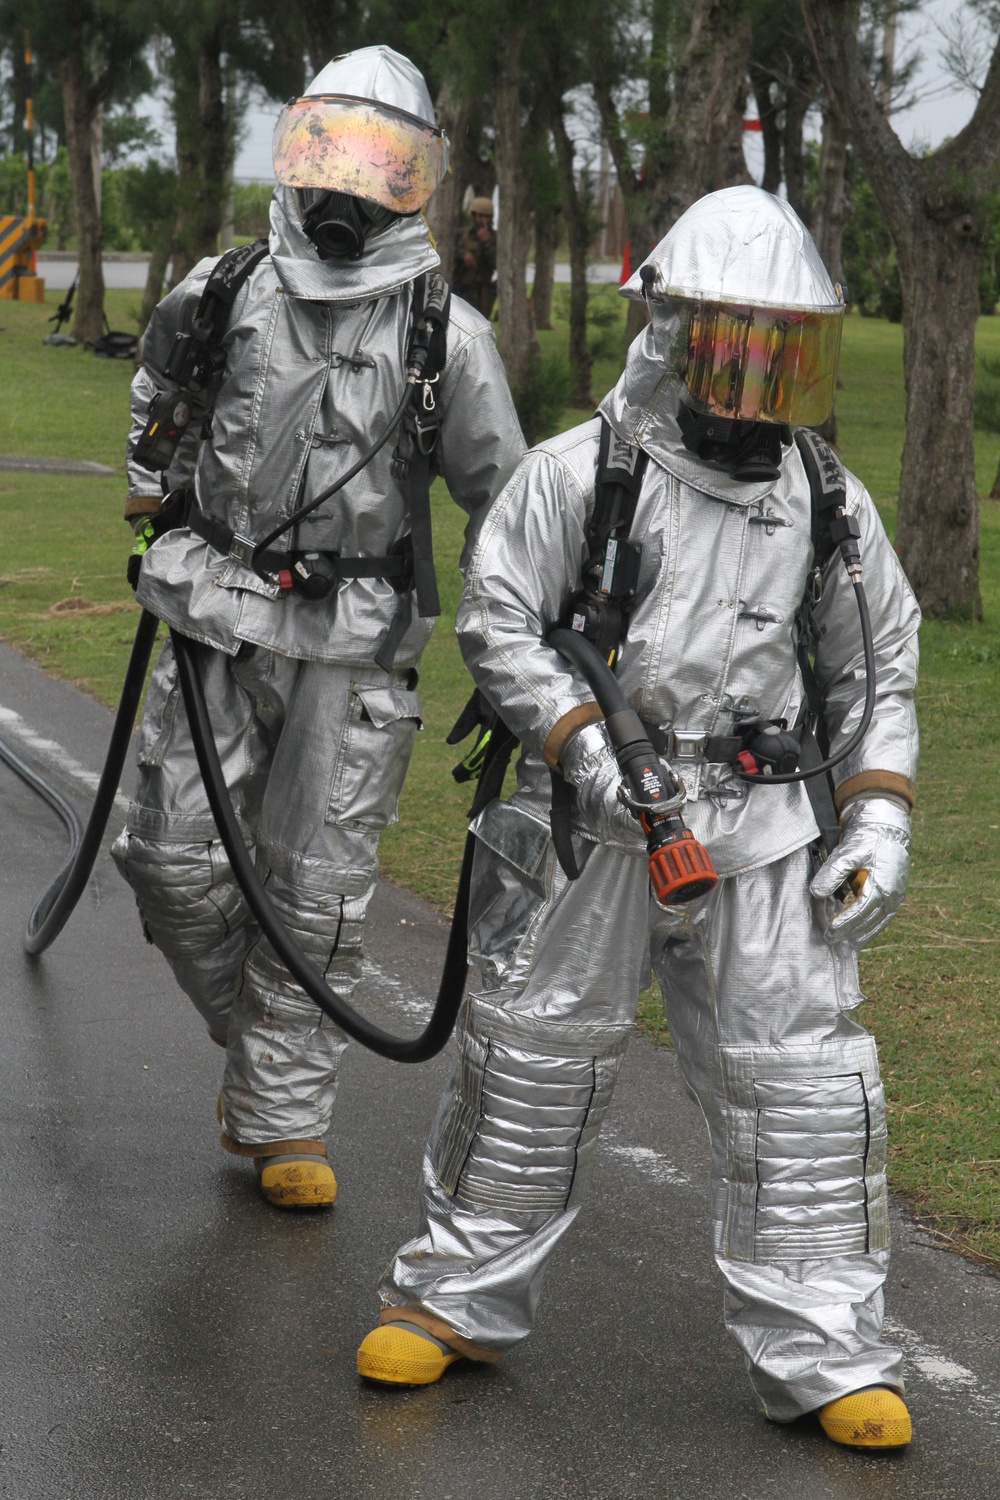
680 868
64 311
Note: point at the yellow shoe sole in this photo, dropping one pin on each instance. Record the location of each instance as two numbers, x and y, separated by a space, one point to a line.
395 1356
306 1182
875 1418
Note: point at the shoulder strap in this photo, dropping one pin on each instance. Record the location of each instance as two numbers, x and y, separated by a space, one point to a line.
197 356
421 428
827 489
621 467
231 272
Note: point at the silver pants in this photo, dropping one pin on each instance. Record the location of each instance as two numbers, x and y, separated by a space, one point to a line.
314 758
788 1083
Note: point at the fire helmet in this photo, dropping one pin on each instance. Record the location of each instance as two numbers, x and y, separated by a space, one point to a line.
744 313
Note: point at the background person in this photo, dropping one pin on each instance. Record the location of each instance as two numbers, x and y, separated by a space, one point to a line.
474 276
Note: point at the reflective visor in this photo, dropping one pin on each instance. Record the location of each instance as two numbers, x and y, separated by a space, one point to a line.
760 364
357 147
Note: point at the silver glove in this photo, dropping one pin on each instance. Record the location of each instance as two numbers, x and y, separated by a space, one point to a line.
590 767
875 833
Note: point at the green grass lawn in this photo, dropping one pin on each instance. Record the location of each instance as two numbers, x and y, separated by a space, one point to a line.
932 978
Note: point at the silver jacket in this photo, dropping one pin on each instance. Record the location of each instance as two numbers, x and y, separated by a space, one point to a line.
724 570
314 371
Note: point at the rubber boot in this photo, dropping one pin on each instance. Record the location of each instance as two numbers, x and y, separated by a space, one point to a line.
402 1354
296 1181
872 1418
298 1178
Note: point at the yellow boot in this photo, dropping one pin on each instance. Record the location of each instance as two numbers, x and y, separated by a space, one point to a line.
399 1355
873 1418
292 1174
295 1181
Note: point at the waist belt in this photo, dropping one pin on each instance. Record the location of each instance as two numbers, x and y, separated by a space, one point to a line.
691 746
396 567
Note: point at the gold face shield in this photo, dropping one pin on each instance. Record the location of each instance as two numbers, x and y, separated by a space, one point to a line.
758 364
355 146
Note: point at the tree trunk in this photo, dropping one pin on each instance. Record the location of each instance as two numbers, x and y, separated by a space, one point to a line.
706 111
830 212
937 208
937 533
155 277
578 228
453 108
516 340
79 110
796 105
546 244
205 142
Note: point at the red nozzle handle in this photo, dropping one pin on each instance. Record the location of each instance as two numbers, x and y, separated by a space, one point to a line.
681 870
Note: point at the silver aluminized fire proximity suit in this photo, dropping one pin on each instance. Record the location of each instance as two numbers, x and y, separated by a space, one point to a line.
314 737
758 992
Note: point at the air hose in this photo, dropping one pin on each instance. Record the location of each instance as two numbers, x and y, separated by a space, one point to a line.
53 908
56 904
452 986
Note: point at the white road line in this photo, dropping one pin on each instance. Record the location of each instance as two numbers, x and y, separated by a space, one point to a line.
652 1164
400 996
51 753
943 1372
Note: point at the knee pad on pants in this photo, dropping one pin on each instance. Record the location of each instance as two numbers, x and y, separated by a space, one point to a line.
525 1109
325 921
806 1151
186 893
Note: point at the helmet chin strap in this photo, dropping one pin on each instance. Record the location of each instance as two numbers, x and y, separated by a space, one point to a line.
340 225
747 451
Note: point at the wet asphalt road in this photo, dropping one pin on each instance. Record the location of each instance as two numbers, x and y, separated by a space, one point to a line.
167 1334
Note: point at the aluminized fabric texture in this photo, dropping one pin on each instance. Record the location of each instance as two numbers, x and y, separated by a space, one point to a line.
724 570
377 73
314 757
314 370
757 1005
739 245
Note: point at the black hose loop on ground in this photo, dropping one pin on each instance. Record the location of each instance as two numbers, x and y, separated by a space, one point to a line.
54 907
452 986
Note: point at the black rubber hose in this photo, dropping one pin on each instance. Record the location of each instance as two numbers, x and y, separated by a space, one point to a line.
610 698
601 680
452 986
67 814
53 908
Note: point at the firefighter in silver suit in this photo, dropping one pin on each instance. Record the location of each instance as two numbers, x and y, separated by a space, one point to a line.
760 976
313 700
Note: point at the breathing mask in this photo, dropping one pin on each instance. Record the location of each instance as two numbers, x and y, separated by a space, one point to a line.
339 224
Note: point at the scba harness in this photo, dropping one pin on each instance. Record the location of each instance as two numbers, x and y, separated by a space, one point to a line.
195 364
760 750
